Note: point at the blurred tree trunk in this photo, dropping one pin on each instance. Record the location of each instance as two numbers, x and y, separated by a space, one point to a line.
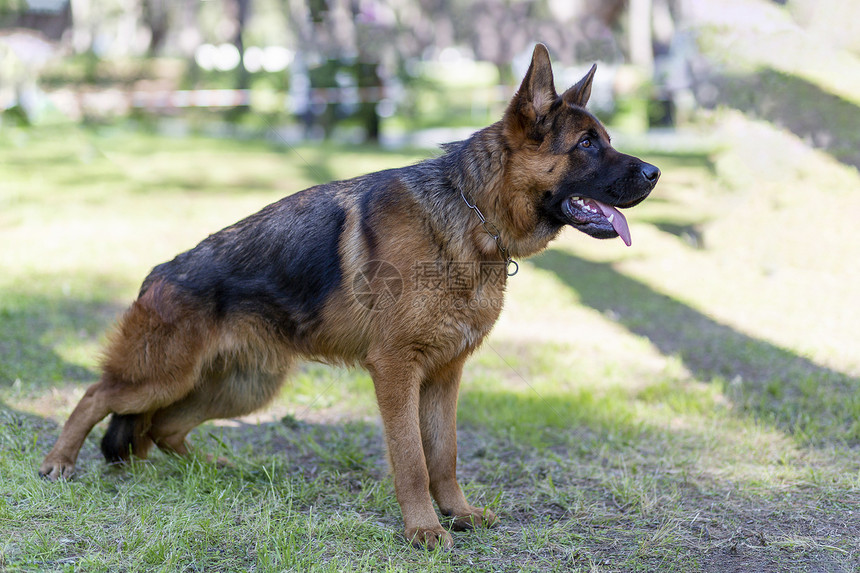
82 25
155 15
369 81
639 30
243 78
188 22
242 10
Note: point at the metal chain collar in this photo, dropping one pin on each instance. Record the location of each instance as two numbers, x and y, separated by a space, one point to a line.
494 232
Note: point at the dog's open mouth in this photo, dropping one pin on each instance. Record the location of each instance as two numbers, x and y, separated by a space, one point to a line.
596 219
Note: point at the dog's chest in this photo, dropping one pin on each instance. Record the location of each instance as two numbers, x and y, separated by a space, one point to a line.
469 314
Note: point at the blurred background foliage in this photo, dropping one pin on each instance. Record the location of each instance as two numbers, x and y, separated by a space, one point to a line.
371 70
376 70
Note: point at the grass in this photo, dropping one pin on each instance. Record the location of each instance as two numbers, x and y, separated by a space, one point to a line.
687 404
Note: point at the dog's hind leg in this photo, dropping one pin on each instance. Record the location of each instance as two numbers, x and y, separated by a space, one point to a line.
223 392
153 360
93 407
170 427
131 402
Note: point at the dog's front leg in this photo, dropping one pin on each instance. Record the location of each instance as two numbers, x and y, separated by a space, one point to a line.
438 413
397 382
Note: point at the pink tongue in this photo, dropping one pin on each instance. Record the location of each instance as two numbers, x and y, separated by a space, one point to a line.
619 223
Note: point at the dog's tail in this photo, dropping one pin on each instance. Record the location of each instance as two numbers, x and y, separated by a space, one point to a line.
126 436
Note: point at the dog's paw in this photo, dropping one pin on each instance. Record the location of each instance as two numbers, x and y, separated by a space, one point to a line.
54 469
422 538
475 517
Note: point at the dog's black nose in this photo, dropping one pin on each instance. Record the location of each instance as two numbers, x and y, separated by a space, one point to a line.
650 172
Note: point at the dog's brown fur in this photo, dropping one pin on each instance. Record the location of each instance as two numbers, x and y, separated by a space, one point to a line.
214 332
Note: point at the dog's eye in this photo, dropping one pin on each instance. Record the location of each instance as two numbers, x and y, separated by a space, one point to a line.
585 143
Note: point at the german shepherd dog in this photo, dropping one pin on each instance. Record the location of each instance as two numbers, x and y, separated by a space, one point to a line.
400 271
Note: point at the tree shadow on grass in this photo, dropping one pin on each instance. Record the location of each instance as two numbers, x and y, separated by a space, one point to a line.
774 384
31 326
825 120
304 447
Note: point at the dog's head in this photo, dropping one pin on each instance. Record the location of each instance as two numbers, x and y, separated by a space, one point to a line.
562 160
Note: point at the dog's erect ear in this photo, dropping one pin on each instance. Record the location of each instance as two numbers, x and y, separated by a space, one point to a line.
536 94
538 88
578 94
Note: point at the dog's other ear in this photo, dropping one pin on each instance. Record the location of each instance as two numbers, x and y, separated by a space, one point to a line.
535 97
578 94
